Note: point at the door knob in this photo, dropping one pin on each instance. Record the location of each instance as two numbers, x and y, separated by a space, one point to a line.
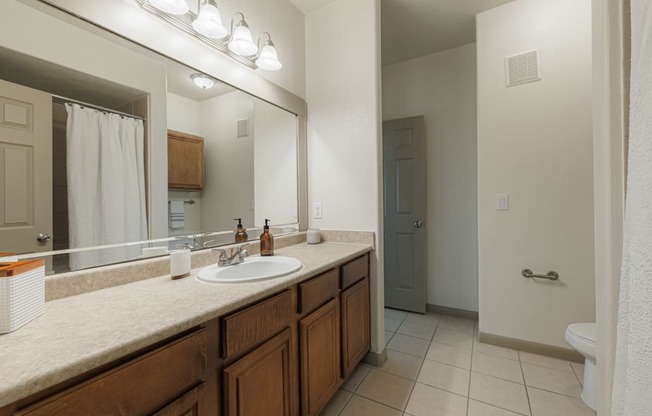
418 224
43 238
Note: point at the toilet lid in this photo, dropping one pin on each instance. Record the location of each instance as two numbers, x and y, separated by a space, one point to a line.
586 330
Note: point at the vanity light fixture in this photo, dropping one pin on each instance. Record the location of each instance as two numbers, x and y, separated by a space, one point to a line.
207 26
209 21
202 81
268 58
174 7
241 42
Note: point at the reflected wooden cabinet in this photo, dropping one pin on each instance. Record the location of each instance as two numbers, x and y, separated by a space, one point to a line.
260 382
185 161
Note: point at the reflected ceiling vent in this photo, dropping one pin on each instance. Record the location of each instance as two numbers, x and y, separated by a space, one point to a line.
243 128
522 68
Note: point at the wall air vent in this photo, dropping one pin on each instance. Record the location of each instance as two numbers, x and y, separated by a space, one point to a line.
522 68
243 128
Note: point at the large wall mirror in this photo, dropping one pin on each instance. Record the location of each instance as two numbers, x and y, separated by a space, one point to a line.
83 138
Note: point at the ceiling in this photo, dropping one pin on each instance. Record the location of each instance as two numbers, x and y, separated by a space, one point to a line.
413 28
45 76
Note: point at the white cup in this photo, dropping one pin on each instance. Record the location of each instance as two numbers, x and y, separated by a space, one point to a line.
179 263
313 236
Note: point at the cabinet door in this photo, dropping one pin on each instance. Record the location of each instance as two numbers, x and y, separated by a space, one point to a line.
320 357
185 161
356 338
259 383
186 405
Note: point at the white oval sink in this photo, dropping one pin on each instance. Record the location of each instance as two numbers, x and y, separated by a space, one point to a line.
253 268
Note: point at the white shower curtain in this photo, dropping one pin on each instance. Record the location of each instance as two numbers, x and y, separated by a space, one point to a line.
633 372
106 185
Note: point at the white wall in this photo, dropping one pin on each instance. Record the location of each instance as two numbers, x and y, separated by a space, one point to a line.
229 167
275 164
343 95
535 143
183 114
72 47
442 88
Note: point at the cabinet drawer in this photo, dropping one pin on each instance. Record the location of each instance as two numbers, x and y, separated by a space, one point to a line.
138 387
244 329
317 291
355 270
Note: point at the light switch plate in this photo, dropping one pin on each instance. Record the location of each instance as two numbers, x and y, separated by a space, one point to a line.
317 211
502 202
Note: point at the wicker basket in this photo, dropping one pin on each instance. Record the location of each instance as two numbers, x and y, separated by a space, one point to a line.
22 293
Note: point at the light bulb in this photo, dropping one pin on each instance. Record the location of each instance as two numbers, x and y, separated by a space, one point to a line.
176 7
268 59
209 22
241 42
202 81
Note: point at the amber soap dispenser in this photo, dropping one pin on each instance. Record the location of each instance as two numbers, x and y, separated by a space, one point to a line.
240 234
266 241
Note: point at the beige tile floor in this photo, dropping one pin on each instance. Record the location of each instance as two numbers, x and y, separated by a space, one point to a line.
436 367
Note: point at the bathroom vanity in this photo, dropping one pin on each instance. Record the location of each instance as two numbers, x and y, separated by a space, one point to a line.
279 347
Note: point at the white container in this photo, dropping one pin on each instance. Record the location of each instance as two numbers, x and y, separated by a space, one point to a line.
22 293
179 263
8 257
313 236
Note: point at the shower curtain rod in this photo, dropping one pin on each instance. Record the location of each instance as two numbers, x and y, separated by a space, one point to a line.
97 107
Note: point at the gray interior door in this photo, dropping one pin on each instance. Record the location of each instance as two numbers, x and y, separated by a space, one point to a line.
404 176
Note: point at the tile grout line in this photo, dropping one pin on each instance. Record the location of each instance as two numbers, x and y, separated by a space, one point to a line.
527 394
468 391
419 372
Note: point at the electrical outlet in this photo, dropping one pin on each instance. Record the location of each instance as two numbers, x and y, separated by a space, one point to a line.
317 211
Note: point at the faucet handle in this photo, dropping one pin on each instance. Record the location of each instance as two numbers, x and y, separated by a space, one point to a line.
222 253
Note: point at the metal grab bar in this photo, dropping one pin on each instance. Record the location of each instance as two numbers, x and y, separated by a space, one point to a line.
552 275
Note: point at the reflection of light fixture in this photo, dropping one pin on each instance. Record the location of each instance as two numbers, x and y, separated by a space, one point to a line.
241 42
202 81
176 7
209 21
268 58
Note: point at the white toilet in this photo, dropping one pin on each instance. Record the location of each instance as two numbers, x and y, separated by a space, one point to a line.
582 336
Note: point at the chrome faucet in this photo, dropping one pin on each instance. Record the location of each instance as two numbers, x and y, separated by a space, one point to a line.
237 256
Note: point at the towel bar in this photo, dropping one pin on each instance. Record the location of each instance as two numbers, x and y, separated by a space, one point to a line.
552 275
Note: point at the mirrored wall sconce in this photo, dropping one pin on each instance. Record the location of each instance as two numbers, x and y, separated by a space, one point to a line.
207 26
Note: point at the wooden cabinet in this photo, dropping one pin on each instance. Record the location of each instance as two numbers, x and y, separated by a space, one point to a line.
165 377
185 161
187 405
282 356
319 333
260 382
356 338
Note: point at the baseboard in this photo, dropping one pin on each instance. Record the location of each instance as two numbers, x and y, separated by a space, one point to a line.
445 310
375 359
567 354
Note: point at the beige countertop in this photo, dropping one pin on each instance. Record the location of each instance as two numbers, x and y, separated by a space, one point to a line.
79 333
